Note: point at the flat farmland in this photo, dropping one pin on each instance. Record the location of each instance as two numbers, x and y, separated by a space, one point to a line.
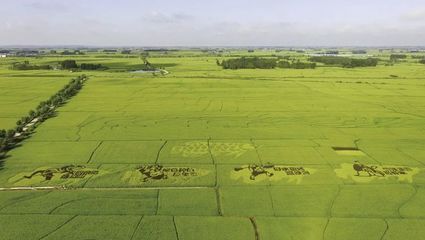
208 153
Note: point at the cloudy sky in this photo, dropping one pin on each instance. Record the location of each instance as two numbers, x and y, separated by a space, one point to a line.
209 23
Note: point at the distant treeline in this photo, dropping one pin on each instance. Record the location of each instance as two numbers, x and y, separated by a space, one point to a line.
262 63
359 51
66 64
25 65
296 64
422 61
72 64
268 63
395 57
248 62
345 61
418 56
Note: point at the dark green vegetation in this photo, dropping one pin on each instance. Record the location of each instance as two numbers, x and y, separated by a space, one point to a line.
25 65
248 63
345 62
262 63
210 153
68 64
67 52
72 64
359 52
395 57
296 64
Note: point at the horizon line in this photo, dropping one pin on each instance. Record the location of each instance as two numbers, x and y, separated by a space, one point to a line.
203 46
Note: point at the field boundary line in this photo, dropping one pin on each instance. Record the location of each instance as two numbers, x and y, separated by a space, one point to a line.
175 228
209 151
59 227
325 228
386 229
254 225
137 227
415 192
94 150
66 203
159 151
218 199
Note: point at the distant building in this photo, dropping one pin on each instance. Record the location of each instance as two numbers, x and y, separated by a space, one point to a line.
3 55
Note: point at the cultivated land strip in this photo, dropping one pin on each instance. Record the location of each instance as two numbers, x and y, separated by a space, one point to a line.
203 152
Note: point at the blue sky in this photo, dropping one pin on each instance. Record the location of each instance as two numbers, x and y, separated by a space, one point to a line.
209 23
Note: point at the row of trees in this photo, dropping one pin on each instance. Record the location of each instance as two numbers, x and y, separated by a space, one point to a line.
46 109
248 62
395 57
296 64
359 51
268 63
25 65
72 64
417 56
66 64
422 61
92 66
147 66
345 61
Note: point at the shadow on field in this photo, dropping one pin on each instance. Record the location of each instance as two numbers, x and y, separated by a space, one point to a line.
6 155
3 160
1 163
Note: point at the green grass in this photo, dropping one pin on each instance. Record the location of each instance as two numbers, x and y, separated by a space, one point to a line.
205 126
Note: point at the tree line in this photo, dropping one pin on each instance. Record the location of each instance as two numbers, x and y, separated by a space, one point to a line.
66 64
46 109
248 62
262 63
395 57
345 62
72 64
269 63
296 64
25 65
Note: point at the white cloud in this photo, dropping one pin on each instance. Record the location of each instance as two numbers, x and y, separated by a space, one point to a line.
160 17
415 15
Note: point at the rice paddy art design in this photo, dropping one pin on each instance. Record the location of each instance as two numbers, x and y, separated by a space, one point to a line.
159 173
364 173
256 173
199 148
67 173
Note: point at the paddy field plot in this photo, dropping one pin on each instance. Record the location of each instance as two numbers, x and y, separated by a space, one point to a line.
206 153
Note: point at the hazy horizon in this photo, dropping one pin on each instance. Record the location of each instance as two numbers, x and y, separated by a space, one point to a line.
237 23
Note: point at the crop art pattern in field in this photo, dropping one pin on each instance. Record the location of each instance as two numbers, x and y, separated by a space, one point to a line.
196 148
208 153
159 174
253 172
64 175
364 173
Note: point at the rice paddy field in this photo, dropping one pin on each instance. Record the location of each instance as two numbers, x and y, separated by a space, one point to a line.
207 153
